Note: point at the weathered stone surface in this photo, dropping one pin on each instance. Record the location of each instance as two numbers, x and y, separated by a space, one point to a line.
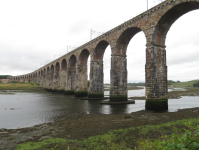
63 78
81 78
71 72
96 77
118 86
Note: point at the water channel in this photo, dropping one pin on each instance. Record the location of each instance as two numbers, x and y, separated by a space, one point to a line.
19 110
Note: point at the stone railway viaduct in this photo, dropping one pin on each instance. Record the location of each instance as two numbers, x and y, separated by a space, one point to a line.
69 72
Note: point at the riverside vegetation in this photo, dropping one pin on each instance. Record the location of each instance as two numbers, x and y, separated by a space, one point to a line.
30 86
181 134
138 130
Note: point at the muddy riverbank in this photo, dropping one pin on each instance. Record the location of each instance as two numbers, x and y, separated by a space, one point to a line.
82 125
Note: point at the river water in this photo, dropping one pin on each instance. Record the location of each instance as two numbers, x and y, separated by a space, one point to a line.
27 109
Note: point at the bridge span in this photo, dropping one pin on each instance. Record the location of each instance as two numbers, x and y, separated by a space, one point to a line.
69 72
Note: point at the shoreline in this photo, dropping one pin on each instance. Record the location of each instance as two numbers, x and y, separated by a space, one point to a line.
80 125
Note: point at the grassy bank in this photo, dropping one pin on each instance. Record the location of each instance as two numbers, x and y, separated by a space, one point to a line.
129 138
183 84
19 86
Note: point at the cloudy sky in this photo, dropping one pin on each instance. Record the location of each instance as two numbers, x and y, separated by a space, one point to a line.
35 32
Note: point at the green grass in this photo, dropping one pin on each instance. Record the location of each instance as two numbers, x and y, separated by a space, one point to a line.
184 84
120 139
18 86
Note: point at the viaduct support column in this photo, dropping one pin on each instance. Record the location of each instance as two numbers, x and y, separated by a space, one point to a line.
41 81
156 77
51 80
96 80
118 89
56 81
70 81
47 81
81 83
63 77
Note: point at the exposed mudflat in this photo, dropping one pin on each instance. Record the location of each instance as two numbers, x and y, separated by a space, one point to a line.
82 125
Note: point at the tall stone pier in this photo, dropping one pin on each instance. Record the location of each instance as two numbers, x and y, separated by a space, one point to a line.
81 83
156 77
71 72
56 80
118 89
96 80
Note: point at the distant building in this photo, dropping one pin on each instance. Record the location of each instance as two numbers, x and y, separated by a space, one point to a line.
4 80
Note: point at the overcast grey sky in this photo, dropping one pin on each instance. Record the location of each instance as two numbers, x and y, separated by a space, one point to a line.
32 32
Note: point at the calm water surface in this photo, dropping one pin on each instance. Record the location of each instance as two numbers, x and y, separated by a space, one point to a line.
28 109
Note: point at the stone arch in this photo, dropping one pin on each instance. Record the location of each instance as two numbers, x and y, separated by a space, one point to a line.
52 70
96 70
72 61
63 69
57 67
39 73
83 57
48 70
124 39
169 18
81 74
64 65
99 50
44 72
71 74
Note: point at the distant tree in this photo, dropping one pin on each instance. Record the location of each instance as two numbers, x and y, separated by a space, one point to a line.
196 84
4 76
169 82
136 84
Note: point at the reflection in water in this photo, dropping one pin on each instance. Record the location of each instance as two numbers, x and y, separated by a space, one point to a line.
105 109
28 109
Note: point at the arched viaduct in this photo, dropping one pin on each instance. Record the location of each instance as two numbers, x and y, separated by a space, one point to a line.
69 72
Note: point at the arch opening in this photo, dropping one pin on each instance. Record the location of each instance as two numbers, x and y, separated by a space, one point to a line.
185 47
170 17
72 61
83 58
64 65
124 40
99 50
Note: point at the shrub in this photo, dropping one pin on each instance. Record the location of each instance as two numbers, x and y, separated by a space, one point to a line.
180 140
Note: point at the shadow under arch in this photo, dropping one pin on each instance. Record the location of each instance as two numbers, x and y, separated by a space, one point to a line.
63 75
97 71
51 76
56 82
170 17
81 85
99 50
